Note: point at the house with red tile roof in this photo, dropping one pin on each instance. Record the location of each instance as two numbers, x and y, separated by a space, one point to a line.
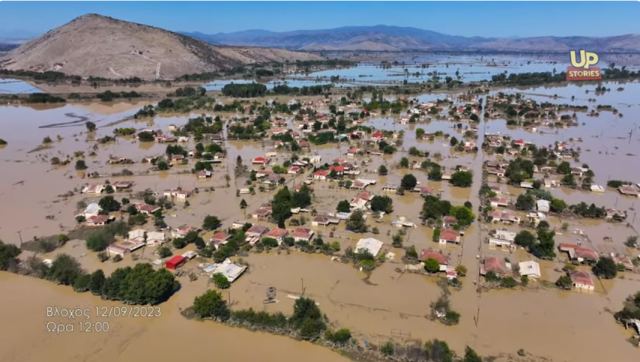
496 265
98 220
321 175
504 216
147 209
579 253
263 212
255 233
377 136
449 236
219 238
182 231
582 280
442 259
260 160
448 221
302 234
278 234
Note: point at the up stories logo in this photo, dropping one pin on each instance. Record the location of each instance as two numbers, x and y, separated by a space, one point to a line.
583 67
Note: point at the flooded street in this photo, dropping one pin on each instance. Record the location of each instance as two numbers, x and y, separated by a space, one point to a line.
39 199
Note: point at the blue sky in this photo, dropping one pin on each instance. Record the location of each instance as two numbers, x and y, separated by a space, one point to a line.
458 18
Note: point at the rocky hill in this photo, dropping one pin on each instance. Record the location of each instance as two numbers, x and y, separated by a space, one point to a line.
95 45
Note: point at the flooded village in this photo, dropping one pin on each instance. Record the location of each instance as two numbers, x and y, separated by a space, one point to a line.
405 218
411 206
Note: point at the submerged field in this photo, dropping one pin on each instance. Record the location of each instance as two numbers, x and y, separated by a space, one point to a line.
38 199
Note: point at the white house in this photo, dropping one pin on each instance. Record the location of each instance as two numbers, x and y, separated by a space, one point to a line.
502 238
155 237
530 268
230 270
543 205
92 209
371 245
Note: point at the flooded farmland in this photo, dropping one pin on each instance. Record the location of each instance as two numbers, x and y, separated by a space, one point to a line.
388 304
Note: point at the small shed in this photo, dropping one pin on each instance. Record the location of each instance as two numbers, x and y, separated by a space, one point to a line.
175 262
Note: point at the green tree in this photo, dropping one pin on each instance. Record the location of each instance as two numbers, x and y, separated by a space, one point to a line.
211 222
243 204
519 170
525 239
341 336
382 170
98 241
307 318
164 252
343 206
211 305
97 282
464 215
557 205
90 126
281 206
408 182
221 281
387 348
65 269
382 203
80 165
525 202
434 208
437 350
356 222
431 265
564 168
462 179
8 254
564 282
471 356
109 204
81 283
605 268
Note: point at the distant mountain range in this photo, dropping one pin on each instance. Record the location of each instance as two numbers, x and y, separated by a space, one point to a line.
394 38
100 46
7 46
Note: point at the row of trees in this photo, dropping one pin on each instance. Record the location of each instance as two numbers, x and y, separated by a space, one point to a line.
244 90
138 285
307 321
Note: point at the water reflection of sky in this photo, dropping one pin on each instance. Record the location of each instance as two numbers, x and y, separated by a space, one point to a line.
15 86
609 143
469 68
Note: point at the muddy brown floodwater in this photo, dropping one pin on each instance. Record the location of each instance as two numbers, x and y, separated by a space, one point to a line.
546 323
23 309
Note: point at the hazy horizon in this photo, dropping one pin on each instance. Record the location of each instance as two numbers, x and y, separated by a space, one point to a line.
486 19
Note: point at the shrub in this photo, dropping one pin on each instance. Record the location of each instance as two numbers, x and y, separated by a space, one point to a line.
211 305
80 165
221 281
431 265
340 336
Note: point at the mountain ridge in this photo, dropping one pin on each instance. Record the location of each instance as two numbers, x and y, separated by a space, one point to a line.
396 38
100 46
